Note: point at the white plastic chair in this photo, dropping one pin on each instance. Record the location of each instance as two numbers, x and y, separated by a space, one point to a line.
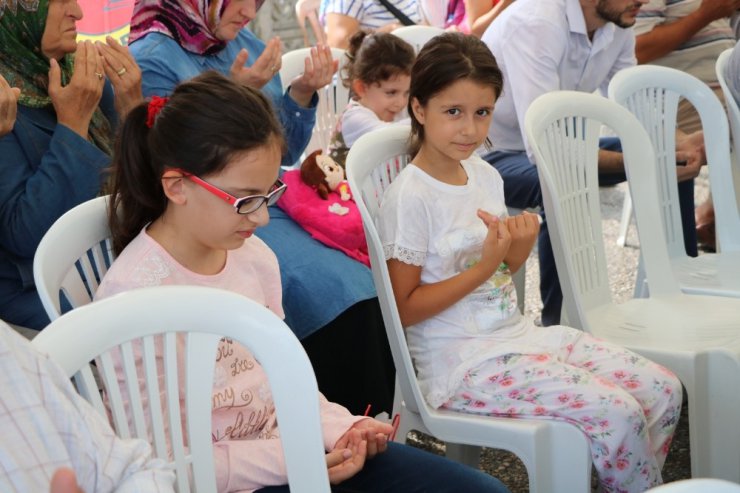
73 256
201 317
417 36
332 99
733 113
700 485
307 10
697 337
555 453
651 93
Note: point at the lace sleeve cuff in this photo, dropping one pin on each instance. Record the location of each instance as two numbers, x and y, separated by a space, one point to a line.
405 255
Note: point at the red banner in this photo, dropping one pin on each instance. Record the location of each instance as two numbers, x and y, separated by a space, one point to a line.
105 18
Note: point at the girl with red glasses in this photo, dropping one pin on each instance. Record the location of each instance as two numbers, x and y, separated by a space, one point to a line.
193 177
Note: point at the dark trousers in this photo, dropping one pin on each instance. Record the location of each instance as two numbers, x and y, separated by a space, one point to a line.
522 190
352 359
405 469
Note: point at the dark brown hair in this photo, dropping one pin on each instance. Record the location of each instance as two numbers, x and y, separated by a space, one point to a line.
444 60
204 125
373 58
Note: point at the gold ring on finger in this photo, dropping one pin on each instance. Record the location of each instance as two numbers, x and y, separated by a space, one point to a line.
100 76
274 68
121 71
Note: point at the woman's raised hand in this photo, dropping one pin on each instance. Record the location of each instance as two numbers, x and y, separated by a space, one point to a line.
123 73
76 102
318 71
8 106
262 70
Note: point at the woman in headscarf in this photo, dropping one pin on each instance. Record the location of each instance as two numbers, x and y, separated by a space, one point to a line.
55 156
329 299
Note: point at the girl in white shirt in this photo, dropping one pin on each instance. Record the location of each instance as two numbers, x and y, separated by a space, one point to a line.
451 251
377 72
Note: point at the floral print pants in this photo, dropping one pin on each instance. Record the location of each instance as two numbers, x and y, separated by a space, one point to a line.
626 405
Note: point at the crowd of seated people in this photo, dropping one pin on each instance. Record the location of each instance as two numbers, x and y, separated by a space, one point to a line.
73 113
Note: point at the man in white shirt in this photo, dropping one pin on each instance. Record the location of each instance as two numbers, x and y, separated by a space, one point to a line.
46 427
544 46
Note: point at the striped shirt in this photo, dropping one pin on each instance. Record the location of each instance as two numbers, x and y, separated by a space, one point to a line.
696 56
371 14
45 425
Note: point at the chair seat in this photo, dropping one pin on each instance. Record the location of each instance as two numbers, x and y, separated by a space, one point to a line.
711 274
692 323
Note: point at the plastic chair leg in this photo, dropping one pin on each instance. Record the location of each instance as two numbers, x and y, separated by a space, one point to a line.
624 224
714 430
464 454
560 462
519 281
641 284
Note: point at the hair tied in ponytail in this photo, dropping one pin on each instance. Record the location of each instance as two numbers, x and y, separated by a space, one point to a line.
155 106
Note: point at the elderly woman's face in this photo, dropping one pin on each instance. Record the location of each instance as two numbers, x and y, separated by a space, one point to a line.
60 33
235 17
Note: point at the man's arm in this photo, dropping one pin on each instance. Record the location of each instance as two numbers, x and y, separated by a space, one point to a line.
665 38
339 28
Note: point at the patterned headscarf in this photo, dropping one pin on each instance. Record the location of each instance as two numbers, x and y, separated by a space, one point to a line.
22 24
192 23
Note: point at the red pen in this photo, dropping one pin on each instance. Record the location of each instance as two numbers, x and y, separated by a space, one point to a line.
367 410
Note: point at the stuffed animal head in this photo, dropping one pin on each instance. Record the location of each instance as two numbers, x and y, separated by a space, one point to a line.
322 173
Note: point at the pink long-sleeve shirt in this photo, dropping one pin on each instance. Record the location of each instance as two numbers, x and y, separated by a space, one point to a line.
247 447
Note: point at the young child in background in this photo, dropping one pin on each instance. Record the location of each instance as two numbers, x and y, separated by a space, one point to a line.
378 75
194 176
451 251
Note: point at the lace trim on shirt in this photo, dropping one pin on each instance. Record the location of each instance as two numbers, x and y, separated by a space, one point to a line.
405 255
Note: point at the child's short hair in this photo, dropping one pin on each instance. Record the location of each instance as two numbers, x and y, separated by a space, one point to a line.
205 123
373 58
444 60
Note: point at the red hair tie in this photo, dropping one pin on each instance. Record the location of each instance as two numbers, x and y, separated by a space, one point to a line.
155 106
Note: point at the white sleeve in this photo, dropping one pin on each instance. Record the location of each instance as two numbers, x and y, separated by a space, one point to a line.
532 66
359 120
351 8
404 226
626 59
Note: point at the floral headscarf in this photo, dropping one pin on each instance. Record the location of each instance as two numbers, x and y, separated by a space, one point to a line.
22 24
192 23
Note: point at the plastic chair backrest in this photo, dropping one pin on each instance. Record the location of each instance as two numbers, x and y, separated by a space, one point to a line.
651 93
563 128
733 114
73 256
373 162
308 10
417 36
333 98
195 318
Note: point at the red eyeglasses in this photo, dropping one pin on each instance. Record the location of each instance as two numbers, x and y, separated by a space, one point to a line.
243 205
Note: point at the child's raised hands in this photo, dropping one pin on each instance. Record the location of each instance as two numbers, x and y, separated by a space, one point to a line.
523 229
497 242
